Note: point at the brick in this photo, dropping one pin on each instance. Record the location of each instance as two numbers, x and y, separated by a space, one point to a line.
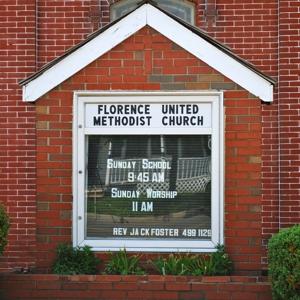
244 295
197 85
140 295
151 285
216 279
100 286
161 78
235 94
164 295
46 285
217 295
125 285
223 86
108 278
199 295
178 286
259 287
201 286
160 278
75 294
116 295
173 86
134 278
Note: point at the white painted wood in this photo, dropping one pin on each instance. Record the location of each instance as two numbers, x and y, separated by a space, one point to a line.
74 172
79 164
215 173
139 245
78 172
138 131
221 161
84 55
148 15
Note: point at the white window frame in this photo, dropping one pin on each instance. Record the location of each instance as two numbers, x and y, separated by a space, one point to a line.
79 170
129 5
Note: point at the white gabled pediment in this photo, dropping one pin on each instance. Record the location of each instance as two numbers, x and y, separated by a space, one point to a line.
147 14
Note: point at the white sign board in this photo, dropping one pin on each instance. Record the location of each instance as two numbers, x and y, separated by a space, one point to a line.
150 118
147 171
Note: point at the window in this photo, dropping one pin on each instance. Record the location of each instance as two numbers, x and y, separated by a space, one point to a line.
148 171
182 9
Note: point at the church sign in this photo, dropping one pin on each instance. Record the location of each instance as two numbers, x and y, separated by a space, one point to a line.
147 171
155 117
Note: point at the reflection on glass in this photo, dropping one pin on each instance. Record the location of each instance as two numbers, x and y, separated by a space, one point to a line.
150 187
185 10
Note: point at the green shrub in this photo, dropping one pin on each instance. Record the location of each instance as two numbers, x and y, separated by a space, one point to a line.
216 263
78 260
122 264
172 265
4 226
284 264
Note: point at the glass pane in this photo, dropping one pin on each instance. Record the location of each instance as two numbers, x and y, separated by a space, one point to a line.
150 187
182 9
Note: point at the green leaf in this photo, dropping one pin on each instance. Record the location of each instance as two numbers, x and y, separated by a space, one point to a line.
284 263
122 264
217 263
78 260
4 227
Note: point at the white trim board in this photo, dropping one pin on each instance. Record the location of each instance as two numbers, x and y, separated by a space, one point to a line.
149 15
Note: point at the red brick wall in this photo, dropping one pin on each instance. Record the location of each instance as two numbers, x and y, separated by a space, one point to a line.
33 32
250 28
17 130
133 287
289 112
148 61
62 24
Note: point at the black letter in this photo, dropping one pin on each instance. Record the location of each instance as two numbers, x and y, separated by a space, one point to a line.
164 109
200 120
97 121
100 108
163 121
